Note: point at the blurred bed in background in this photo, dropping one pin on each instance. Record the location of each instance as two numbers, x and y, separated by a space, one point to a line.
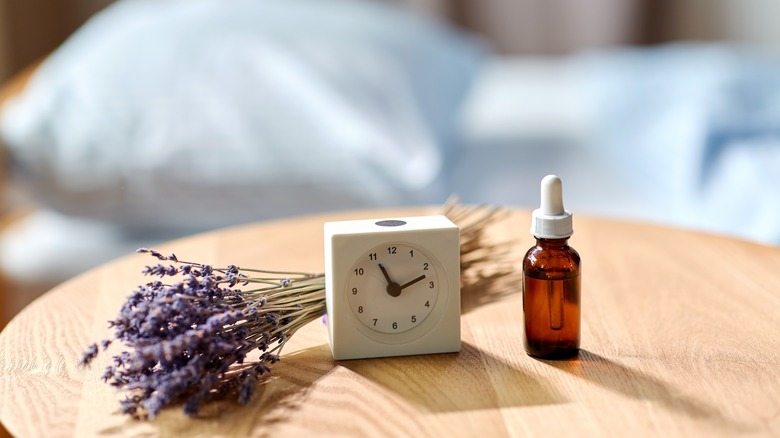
159 118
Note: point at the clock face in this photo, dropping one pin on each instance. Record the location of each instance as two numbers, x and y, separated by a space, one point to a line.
393 287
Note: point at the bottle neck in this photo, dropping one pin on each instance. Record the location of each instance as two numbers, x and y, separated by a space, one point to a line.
552 243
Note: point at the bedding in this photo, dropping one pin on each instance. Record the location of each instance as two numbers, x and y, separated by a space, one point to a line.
681 134
201 113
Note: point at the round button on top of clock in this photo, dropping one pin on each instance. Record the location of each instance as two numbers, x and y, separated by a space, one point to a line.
391 223
393 287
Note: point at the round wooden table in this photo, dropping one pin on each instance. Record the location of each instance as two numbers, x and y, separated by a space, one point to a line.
680 336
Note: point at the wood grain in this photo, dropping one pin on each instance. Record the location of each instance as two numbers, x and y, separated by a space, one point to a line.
679 338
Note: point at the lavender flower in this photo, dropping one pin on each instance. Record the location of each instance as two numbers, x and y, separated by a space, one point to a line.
197 337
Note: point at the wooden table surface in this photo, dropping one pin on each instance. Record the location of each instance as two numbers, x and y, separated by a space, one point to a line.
679 337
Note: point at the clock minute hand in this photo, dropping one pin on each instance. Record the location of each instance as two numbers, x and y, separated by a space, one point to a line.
384 272
392 289
420 278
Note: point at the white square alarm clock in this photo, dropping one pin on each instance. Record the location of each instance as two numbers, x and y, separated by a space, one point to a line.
392 287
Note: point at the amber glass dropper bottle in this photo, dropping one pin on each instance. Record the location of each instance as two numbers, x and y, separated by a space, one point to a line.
551 280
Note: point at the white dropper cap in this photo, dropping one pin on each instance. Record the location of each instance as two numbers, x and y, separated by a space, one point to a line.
550 220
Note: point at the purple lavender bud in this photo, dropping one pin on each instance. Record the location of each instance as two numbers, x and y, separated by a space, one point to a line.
246 390
179 305
272 358
261 368
129 406
209 382
152 406
109 373
89 354
233 280
252 313
192 406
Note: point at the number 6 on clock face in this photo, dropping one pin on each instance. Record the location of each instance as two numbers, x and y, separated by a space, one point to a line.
392 287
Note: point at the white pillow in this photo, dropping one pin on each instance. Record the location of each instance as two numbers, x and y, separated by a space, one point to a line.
199 113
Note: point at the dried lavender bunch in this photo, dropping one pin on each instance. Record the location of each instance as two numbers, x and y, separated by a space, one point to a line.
202 337
488 266
476 252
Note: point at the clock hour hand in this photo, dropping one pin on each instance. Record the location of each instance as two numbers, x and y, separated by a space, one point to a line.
420 278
